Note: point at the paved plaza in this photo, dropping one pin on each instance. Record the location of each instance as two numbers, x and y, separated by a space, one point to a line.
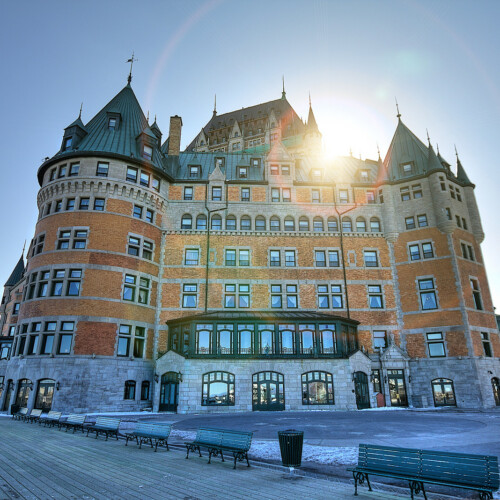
42 463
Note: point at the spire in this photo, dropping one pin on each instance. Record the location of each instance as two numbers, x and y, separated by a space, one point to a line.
283 93
378 151
397 107
428 138
80 114
312 126
433 162
461 175
215 105
131 61
17 273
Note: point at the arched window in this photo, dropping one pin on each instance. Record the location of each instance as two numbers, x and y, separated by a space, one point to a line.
443 392
218 389
318 225
317 388
303 224
231 223
145 393
360 225
186 221
333 225
245 223
346 225
201 222
129 392
216 222
275 223
23 392
204 341
375 225
289 223
260 223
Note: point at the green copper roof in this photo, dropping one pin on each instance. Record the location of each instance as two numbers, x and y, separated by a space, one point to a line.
77 123
16 274
433 162
461 175
311 121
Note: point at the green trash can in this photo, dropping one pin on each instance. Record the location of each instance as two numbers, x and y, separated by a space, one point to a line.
291 442
14 409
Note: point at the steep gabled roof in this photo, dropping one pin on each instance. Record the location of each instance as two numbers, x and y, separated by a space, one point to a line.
281 108
405 147
17 273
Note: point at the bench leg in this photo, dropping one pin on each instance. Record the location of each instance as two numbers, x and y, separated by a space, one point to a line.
156 445
126 440
187 449
416 487
485 495
246 456
151 441
140 444
166 444
360 478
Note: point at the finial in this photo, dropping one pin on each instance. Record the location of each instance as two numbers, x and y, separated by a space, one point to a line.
350 152
131 61
397 107
437 147
428 138
80 114
155 117
147 118
24 247
215 104
378 151
283 93
456 152
309 98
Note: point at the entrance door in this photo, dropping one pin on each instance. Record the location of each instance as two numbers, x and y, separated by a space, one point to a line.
495 382
397 387
45 394
268 391
361 390
443 392
8 395
169 391
23 392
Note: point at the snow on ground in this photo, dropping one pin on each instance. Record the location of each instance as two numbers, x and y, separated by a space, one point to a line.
339 455
187 435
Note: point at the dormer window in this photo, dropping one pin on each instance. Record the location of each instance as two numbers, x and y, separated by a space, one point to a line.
67 143
112 124
219 162
406 168
364 175
194 171
255 162
243 172
236 134
285 170
147 152
317 173
275 170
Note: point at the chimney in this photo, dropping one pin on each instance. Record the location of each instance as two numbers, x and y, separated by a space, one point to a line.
174 137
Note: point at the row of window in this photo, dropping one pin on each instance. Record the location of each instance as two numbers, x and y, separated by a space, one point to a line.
56 337
289 223
54 283
129 391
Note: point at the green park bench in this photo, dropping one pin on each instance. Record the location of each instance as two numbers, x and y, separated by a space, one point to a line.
33 416
105 425
50 419
156 434
459 470
218 441
74 421
20 414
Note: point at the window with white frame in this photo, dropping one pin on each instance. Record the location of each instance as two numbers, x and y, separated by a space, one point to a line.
131 341
375 299
136 289
330 295
379 339
284 296
192 257
427 291
140 247
371 259
435 344
189 296
237 296
75 239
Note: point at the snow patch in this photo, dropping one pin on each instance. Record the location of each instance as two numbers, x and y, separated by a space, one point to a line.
187 435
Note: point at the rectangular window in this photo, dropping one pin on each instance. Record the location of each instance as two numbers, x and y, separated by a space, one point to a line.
333 258
137 213
275 258
405 193
291 297
188 193
464 223
485 338
74 169
435 344
66 337
343 196
112 124
375 297
155 183
124 338
245 194
414 252
320 258
276 297
371 259
315 196
102 169
427 250
476 294
379 339
194 171
242 172
290 258
147 152
370 197
58 206
417 191
84 203
336 291
406 168
74 282
144 179
410 222
230 259
377 386
192 257
70 204
275 194
448 214
189 296
132 174
285 170
216 193
52 174
275 170
150 215
99 204
422 220
244 257
62 171
286 195
427 292
459 222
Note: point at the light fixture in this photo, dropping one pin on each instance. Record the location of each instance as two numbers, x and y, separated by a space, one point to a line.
1 386
58 385
385 379
156 377
30 385
179 376
409 379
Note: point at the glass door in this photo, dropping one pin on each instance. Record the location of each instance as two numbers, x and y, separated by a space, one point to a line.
443 392
23 392
361 390
397 387
169 391
44 395
268 392
8 395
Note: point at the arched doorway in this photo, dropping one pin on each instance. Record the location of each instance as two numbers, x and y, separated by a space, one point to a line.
8 395
361 390
169 391
495 382
45 394
268 391
23 392
443 392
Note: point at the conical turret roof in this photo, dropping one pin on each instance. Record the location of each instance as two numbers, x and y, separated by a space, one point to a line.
461 175
405 147
77 123
312 126
433 162
17 273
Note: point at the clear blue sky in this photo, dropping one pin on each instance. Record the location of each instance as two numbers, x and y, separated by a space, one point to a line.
439 58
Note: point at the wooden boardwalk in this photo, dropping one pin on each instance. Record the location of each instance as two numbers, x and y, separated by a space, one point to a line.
44 463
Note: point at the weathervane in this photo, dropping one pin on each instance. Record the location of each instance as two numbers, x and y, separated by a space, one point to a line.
397 107
131 61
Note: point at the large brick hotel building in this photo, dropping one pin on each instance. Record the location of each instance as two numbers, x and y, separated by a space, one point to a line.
247 272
